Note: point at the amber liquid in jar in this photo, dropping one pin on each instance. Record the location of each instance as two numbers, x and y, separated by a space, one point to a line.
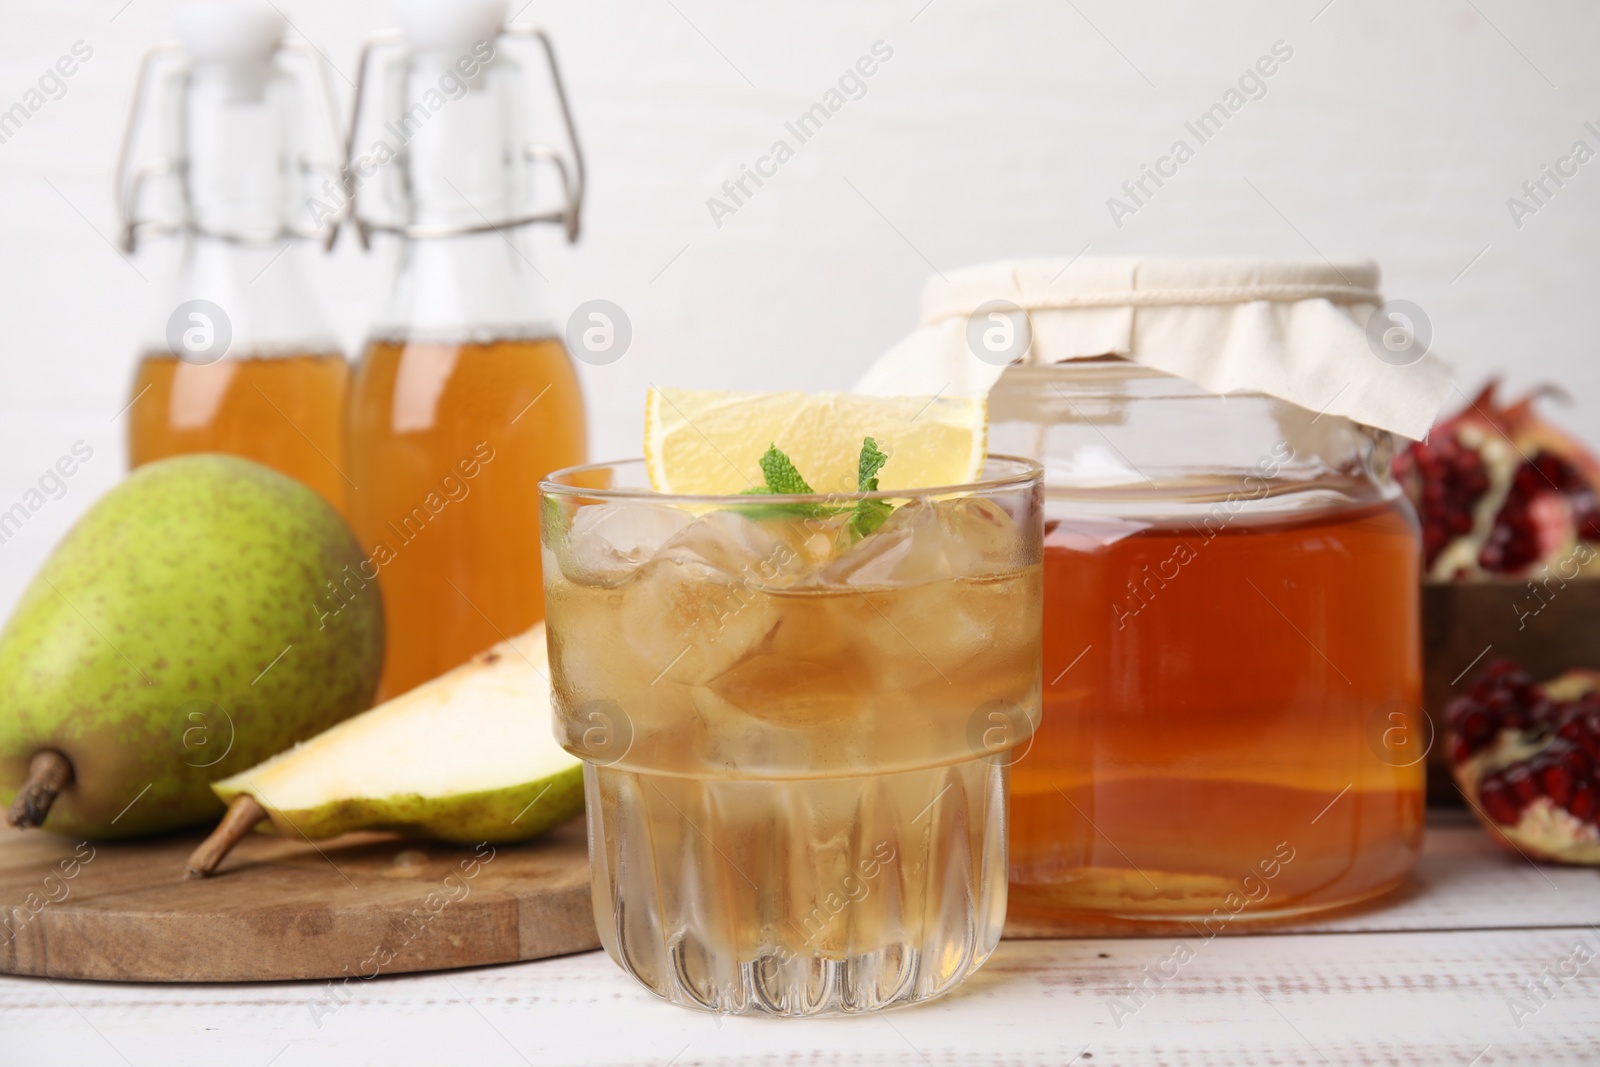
448 443
1216 702
286 412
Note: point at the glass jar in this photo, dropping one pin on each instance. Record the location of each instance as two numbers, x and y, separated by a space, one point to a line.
1231 730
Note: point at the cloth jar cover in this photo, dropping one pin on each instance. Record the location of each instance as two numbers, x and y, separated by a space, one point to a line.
1316 334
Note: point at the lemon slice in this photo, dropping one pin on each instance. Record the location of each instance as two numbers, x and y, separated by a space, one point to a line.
700 442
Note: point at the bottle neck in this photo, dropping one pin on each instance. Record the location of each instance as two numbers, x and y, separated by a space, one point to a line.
261 289
480 286
233 126
239 146
457 165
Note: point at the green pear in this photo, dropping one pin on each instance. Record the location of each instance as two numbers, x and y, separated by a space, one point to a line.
467 757
185 629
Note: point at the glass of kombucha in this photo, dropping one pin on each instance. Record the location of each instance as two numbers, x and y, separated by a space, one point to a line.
239 358
465 396
1232 733
796 740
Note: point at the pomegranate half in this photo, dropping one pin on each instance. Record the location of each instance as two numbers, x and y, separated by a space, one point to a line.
1501 493
1527 758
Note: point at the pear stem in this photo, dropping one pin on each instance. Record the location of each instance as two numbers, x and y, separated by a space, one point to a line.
48 774
243 814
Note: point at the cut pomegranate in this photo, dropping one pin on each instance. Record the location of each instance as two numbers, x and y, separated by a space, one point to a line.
1527 758
1500 492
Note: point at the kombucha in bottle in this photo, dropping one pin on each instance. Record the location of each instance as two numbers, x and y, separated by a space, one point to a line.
239 359
465 397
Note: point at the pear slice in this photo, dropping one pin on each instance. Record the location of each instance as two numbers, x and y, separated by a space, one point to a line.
465 758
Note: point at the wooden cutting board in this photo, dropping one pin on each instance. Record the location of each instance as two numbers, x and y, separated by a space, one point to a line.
357 906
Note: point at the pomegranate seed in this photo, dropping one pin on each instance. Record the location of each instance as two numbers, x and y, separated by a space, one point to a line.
1520 781
1477 727
1582 733
1583 802
1577 761
1498 802
1546 713
1556 781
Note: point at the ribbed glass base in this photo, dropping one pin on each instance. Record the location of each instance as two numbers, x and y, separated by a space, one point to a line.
803 896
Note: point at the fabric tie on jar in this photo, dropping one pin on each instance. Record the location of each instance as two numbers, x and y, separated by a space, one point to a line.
1316 334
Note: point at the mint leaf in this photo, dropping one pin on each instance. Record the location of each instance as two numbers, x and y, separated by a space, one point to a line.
781 475
782 478
868 466
869 514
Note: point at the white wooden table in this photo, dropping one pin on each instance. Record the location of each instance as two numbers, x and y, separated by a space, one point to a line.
1437 976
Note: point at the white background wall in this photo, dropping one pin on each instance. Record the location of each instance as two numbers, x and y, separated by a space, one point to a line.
999 129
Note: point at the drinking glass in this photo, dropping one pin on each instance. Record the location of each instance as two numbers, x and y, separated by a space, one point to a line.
797 727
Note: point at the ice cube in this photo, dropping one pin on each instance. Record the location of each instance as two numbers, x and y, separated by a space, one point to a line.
981 537
785 689
687 623
820 538
607 542
928 604
739 742
739 549
927 636
909 547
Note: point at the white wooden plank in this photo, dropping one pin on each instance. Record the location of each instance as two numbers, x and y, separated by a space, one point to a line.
1397 998
1466 882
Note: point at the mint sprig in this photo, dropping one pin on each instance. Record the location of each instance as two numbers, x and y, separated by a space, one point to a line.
869 514
784 479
